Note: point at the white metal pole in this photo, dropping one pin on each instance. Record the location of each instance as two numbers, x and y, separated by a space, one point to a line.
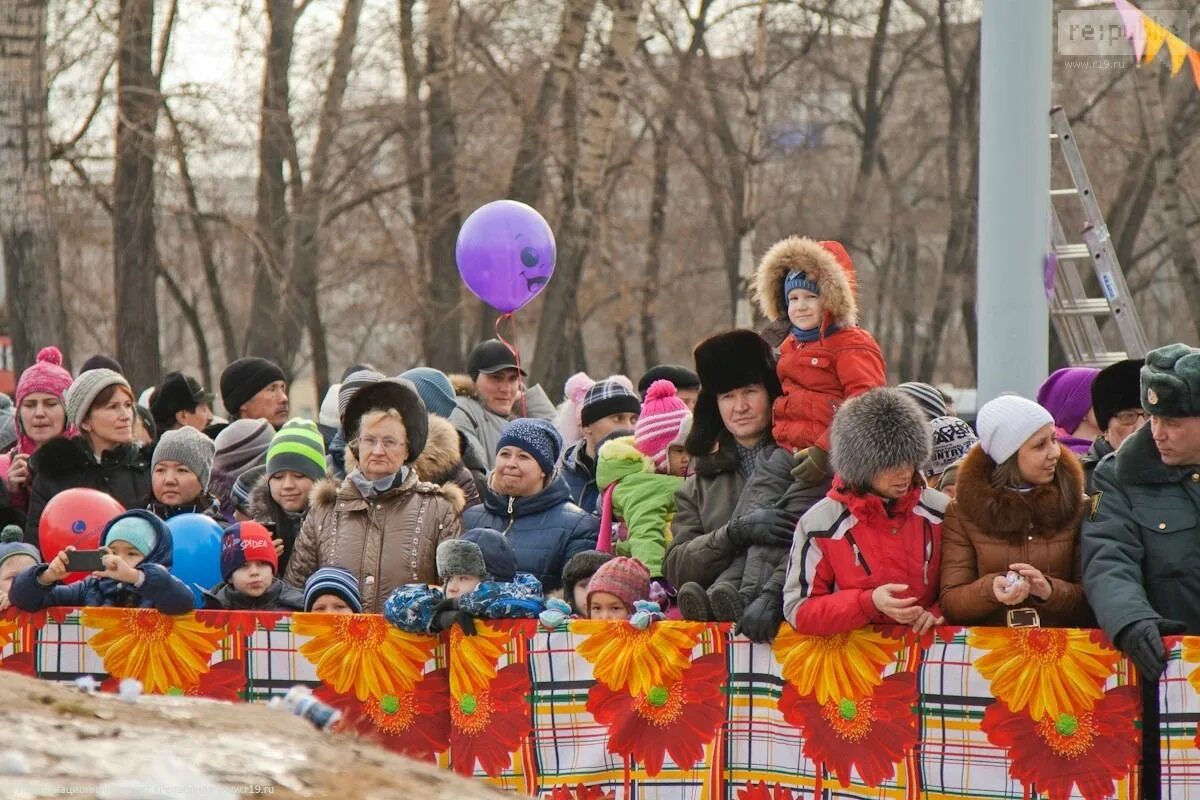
1014 196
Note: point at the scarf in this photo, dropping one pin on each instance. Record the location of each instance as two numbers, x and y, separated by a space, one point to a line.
369 488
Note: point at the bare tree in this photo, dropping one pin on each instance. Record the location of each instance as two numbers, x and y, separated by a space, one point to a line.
31 259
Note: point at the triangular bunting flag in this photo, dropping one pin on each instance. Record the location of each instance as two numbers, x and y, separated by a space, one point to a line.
1194 57
1136 30
1131 18
1156 37
1179 52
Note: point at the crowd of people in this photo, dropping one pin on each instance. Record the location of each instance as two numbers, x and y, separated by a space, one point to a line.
774 480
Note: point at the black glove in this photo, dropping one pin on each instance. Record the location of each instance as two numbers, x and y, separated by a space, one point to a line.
447 613
1142 641
760 621
766 526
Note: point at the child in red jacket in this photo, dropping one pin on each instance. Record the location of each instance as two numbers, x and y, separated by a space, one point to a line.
870 552
826 358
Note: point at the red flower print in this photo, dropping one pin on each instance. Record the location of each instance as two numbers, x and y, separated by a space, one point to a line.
871 734
414 723
1088 749
676 720
486 728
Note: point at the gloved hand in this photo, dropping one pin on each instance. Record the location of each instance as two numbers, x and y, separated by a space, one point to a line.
766 526
761 619
557 612
1142 641
645 612
447 613
812 466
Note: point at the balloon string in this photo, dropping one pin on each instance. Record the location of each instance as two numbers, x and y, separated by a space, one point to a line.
516 353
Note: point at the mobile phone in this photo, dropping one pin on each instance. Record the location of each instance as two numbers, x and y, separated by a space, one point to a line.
85 560
1023 618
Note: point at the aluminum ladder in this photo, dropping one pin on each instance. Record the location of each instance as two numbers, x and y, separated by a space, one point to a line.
1076 317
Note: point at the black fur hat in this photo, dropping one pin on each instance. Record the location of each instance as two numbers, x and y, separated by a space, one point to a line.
878 430
726 362
396 393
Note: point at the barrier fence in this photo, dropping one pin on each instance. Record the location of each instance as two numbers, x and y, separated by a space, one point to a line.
681 711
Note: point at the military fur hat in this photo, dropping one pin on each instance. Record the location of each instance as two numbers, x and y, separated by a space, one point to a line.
1171 381
879 430
725 362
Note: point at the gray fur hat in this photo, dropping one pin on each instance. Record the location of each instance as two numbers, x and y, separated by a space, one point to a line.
460 557
878 430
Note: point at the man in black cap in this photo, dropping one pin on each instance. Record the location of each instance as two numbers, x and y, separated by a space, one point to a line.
686 382
496 399
255 388
180 401
1117 403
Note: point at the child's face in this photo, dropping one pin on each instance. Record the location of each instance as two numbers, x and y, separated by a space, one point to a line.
892 484
174 484
458 585
126 552
253 578
11 569
677 460
605 606
804 309
579 595
331 604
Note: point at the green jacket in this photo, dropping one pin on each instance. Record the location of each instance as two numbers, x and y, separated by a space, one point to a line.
642 498
1141 543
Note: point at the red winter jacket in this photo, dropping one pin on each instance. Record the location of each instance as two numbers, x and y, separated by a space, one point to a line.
819 376
848 544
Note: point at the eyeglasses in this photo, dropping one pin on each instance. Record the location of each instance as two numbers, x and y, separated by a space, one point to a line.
389 444
1130 416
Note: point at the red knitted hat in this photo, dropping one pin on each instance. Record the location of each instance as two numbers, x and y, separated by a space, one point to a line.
243 542
626 578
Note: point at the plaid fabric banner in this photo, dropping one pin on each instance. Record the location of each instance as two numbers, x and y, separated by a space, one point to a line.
679 711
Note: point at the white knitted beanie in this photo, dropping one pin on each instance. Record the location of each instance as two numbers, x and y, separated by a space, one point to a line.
1006 422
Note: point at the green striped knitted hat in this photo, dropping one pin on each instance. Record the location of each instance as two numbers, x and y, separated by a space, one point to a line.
299 447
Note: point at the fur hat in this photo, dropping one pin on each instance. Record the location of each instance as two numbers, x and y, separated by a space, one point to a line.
878 430
460 557
623 577
581 567
825 263
1116 388
726 362
396 393
1171 381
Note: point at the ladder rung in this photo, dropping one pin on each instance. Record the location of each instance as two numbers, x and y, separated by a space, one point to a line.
1102 360
1087 307
1073 251
1064 192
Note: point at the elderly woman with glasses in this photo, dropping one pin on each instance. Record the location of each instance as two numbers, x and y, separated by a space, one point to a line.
381 522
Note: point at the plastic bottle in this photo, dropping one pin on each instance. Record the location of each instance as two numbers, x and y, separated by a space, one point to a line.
300 701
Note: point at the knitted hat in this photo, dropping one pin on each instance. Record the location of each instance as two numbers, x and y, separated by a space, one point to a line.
608 397
177 392
536 437
658 426
1116 388
11 545
133 529
101 361
799 280
45 375
245 378
243 487
243 542
189 447
241 445
328 416
685 429
333 580
434 388
928 398
460 557
581 567
1006 422
952 438
1067 395
147 420
298 447
498 555
879 430
353 368
726 362
626 578
1171 381
489 357
681 377
350 386
86 388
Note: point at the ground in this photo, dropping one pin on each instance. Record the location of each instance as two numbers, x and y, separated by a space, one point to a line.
57 741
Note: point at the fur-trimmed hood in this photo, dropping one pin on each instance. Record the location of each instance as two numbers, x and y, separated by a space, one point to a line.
822 262
878 430
441 455
462 383
1006 512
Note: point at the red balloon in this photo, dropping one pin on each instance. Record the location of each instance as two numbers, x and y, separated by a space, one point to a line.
75 517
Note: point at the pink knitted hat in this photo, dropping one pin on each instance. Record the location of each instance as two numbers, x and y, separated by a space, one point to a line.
662 414
626 578
44 375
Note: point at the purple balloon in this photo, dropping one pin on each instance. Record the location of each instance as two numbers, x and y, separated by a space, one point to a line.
505 254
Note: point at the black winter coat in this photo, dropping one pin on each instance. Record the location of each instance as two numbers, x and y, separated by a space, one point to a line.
61 464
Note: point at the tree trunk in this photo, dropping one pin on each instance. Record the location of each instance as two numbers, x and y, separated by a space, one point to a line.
745 315
192 317
414 161
559 335
36 316
134 246
443 324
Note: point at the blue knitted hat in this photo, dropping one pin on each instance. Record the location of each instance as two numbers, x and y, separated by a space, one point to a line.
535 436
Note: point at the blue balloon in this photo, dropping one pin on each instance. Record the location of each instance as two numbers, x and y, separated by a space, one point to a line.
196 556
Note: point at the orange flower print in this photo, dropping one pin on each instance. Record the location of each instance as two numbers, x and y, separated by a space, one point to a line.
164 652
473 660
362 654
486 728
1086 749
624 657
1049 671
832 668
